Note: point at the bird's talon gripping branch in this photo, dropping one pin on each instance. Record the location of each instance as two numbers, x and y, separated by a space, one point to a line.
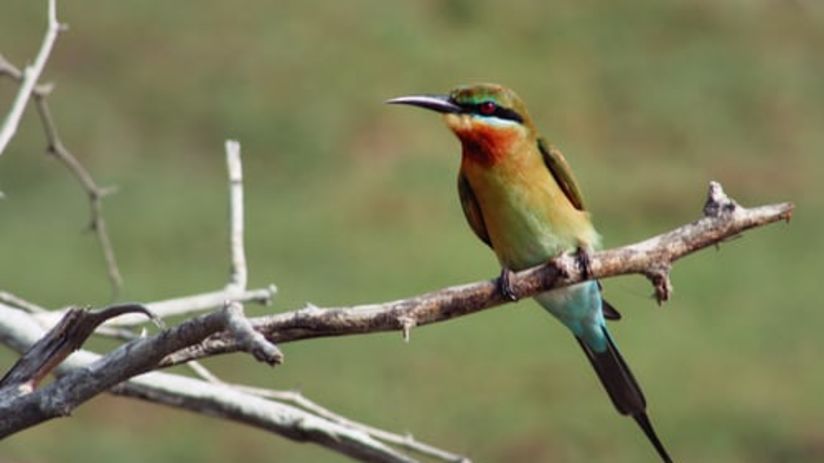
505 285
584 262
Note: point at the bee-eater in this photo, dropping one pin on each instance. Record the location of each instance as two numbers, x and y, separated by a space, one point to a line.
521 199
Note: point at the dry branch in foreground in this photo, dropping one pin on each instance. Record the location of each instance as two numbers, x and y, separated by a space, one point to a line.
19 330
129 360
63 339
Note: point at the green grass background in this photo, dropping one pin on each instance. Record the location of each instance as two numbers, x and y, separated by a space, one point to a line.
350 201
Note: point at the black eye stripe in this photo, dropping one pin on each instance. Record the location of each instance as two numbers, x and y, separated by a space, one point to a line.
506 113
500 112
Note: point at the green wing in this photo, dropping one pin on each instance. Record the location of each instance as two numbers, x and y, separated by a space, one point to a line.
472 210
562 173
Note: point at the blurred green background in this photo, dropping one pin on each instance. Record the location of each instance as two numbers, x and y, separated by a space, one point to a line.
351 201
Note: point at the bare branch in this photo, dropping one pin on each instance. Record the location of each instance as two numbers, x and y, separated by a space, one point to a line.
203 372
651 257
238 274
185 305
290 422
16 301
406 441
206 301
30 76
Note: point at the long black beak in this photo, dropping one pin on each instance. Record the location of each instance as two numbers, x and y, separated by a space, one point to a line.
439 103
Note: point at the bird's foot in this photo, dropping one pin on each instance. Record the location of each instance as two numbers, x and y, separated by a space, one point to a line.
584 262
505 285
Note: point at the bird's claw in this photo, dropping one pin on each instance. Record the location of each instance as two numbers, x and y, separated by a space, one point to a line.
505 285
584 262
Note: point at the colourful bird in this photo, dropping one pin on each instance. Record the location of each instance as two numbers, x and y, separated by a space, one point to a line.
521 199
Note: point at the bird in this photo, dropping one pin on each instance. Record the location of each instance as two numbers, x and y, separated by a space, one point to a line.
520 197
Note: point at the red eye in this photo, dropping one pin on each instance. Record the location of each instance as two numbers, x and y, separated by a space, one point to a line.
487 108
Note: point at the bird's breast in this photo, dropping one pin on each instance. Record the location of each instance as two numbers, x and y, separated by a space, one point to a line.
527 216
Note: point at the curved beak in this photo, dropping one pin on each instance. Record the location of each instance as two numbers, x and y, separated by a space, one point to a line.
439 103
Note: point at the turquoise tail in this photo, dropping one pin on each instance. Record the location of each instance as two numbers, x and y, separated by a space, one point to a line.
622 388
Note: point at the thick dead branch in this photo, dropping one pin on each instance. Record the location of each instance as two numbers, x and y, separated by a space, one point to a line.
63 339
130 359
653 258
19 330
29 77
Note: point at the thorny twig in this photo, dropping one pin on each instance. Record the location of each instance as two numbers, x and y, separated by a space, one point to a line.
95 193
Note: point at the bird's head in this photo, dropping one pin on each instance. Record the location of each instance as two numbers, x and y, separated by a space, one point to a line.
489 119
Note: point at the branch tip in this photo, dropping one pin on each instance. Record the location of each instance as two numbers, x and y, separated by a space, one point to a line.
250 340
272 291
107 191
